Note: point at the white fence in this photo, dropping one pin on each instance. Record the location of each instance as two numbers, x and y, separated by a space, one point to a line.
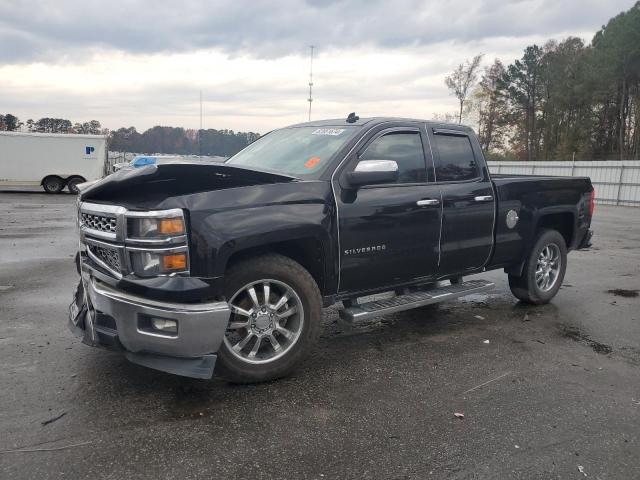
617 182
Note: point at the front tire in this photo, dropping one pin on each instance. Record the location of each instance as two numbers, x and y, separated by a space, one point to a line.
544 270
275 321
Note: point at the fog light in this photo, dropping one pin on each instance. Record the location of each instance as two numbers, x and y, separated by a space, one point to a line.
164 325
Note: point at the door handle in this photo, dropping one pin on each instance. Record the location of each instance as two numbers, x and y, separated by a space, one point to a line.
428 201
483 198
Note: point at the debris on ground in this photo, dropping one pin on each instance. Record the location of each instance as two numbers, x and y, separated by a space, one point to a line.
621 292
526 317
458 415
51 449
479 317
486 383
581 470
51 420
486 341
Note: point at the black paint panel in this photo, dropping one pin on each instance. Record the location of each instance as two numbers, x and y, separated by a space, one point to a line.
387 217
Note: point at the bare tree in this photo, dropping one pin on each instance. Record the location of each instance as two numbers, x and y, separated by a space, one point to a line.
462 79
447 117
491 108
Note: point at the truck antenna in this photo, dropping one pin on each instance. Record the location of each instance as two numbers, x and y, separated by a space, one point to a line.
310 99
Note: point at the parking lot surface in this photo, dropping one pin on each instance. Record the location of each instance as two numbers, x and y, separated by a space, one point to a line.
546 392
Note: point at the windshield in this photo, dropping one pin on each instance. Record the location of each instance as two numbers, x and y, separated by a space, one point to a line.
297 151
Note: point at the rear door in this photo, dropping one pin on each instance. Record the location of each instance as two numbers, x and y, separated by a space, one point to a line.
468 201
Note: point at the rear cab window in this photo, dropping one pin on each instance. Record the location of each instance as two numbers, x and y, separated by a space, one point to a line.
455 161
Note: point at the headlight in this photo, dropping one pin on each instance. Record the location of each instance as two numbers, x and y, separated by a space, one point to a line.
141 227
157 242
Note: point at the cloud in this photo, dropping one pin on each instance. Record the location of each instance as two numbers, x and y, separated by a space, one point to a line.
51 31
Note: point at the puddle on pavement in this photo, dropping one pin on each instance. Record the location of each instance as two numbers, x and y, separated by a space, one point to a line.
576 335
620 292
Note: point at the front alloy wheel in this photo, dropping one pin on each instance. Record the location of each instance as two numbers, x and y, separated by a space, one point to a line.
267 318
276 316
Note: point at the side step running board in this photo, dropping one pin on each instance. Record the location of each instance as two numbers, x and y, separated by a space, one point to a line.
408 301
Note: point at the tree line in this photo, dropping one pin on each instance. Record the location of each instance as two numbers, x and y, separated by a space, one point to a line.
11 123
561 100
180 141
168 140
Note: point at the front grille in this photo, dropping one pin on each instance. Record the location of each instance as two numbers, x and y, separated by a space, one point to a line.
99 222
108 256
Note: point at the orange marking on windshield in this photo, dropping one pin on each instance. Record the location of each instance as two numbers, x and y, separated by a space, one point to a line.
312 162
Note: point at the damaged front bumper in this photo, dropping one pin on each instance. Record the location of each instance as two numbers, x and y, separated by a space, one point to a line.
105 316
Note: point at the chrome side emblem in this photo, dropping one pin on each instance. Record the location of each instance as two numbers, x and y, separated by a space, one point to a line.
512 218
371 249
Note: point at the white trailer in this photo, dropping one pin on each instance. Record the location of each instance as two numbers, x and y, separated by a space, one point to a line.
52 160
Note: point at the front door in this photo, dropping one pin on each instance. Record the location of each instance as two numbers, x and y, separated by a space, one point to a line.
468 202
389 233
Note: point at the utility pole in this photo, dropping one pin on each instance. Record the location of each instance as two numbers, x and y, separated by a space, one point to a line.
310 99
200 131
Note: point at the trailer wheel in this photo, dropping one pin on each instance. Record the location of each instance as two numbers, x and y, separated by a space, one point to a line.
72 184
52 184
544 270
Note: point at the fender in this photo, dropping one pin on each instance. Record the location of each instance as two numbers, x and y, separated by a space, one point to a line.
535 223
225 223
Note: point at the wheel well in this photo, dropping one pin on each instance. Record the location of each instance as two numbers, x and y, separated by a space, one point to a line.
562 222
306 251
73 177
52 176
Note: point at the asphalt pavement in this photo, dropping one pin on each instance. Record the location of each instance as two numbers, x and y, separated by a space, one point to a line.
546 392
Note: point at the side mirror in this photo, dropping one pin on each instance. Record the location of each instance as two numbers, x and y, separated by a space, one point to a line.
372 172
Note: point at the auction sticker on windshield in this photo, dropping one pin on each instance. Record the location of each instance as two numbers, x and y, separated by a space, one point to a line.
328 131
312 162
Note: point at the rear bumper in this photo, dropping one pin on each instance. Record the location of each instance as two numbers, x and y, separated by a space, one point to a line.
119 320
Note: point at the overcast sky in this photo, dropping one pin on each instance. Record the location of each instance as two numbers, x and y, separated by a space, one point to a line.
143 63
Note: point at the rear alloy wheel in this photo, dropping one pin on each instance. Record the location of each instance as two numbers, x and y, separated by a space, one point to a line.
276 315
53 184
548 267
544 270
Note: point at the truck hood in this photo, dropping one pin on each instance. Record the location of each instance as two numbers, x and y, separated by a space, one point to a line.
155 183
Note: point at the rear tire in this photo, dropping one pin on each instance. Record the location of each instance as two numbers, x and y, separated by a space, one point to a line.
52 184
286 338
543 271
72 184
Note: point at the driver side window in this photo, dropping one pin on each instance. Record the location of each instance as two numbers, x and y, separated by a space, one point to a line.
405 148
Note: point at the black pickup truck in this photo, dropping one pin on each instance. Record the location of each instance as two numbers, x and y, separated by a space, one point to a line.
191 267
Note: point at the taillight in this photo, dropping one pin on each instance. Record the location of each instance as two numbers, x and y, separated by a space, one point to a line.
592 202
